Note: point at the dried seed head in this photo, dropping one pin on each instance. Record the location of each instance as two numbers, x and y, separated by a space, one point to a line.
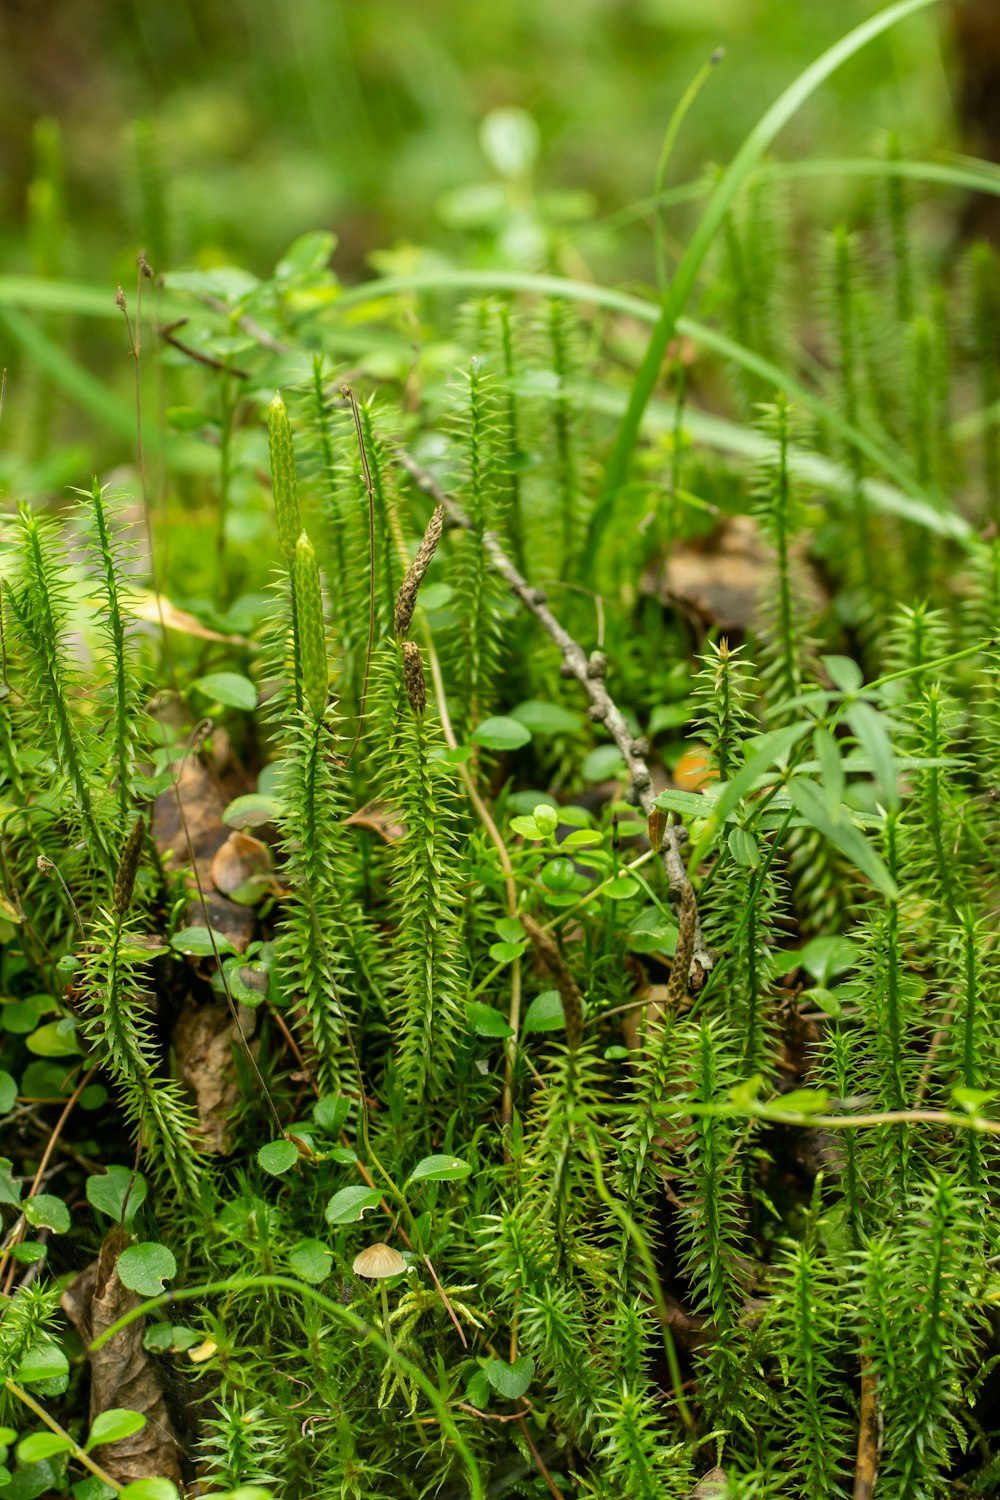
283 480
120 299
413 677
128 867
143 264
378 1261
406 599
312 663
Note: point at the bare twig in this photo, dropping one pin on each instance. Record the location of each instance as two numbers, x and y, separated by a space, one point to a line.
589 672
869 1434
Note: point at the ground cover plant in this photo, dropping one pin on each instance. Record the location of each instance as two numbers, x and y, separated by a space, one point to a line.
499 985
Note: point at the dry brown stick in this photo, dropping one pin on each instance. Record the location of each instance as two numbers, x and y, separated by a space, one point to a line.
590 673
869 1434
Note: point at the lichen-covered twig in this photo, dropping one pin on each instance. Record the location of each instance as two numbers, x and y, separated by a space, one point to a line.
590 673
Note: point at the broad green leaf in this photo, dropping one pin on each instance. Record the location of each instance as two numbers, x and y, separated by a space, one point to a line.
46 1211
621 888
331 1112
10 1191
440 1169
511 1380
842 834
311 1260
112 1425
278 1156
149 1489
228 688
8 1093
109 1193
197 942
43 1361
501 734
545 1013
55 1039
743 847
485 1020
505 953
351 1204
40 1445
307 256
546 718
144 1268
845 673
869 729
252 810
831 767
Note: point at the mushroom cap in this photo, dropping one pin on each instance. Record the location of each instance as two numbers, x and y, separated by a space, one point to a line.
377 1261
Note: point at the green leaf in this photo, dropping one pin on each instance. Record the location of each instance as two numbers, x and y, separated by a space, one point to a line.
351 1204
278 1156
869 729
802 1102
621 888
823 957
252 810
108 1193
505 953
311 1260
485 1020
8 1093
46 1211
545 1013
150 1489
511 1380
501 734
605 763
842 834
40 1445
10 1191
144 1268
114 1424
197 942
92 1488
228 688
331 1112
477 1392
308 256
743 848
845 673
546 718
440 1169
56 1039
44 1361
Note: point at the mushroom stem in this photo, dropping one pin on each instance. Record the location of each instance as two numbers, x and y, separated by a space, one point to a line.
386 1330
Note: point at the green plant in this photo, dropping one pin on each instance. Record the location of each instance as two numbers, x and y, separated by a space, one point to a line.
671 1101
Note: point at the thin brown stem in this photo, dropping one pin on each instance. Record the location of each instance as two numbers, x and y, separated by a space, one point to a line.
590 673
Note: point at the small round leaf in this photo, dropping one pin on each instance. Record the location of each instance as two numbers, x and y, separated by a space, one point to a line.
144 1268
278 1157
351 1204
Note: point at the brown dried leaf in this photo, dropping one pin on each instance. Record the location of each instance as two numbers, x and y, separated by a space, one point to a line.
709 1485
203 1038
121 1371
148 606
201 832
378 818
239 860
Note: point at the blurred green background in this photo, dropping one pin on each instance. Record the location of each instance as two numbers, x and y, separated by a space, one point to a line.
220 130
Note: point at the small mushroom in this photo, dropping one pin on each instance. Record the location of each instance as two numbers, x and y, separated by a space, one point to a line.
379 1262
